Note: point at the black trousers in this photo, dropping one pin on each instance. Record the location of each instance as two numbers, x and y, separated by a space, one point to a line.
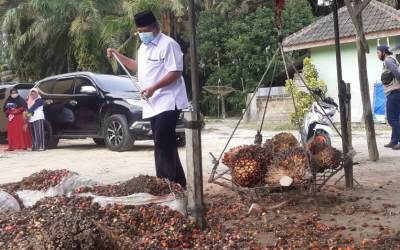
37 132
393 115
168 164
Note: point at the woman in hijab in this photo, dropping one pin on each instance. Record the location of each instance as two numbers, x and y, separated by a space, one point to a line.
17 128
36 119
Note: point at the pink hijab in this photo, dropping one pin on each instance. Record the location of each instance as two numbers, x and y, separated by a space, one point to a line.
30 100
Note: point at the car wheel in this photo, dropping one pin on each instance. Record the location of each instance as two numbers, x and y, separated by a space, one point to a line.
116 133
99 142
180 140
50 141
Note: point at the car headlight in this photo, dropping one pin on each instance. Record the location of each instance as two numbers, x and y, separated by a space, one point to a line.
134 102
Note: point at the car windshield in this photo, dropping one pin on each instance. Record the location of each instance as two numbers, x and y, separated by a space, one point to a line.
112 83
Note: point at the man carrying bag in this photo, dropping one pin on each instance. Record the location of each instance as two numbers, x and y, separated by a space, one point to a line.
391 83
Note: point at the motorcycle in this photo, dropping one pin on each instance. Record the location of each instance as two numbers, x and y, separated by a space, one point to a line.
317 121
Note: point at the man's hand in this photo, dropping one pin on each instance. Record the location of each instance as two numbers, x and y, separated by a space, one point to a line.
110 51
168 79
148 92
128 62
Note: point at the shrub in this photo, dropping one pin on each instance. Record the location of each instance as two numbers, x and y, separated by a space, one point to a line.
303 100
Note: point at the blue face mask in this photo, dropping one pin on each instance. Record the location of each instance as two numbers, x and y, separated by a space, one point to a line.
146 37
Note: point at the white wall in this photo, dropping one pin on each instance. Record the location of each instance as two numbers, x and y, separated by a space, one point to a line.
324 59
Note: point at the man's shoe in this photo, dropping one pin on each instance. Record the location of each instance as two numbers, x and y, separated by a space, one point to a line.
397 147
390 145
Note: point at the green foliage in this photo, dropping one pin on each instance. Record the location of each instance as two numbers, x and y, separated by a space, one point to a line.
235 49
297 15
46 37
304 100
392 3
7 74
236 101
50 37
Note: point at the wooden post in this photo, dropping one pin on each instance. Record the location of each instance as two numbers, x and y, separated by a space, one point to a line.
194 171
195 204
367 110
355 11
345 128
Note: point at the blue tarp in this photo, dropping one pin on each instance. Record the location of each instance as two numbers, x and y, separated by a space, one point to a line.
379 101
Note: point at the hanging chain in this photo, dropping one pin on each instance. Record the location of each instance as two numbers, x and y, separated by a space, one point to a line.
268 98
258 139
291 93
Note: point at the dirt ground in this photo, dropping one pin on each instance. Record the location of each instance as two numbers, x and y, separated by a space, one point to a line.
372 208
99 163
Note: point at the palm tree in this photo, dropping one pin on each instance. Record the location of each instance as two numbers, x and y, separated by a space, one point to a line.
45 37
119 29
48 37
224 6
6 5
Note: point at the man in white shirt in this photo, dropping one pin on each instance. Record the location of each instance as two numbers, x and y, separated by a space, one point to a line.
159 69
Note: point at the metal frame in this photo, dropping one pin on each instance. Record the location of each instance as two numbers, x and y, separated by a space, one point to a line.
311 186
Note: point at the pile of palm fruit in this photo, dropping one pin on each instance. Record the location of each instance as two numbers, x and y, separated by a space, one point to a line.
324 157
282 156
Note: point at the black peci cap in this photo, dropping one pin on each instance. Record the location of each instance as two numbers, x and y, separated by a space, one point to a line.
384 49
144 19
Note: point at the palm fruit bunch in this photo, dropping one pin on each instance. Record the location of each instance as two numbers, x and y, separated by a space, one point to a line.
316 146
282 142
292 162
246 172
268 153
228 156
328 158
249 165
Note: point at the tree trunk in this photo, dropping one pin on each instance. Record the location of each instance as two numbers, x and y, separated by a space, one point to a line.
166 23
69 61
364 87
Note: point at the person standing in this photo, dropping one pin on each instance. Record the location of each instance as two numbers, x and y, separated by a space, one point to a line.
391 83
17 128
36 120
159 67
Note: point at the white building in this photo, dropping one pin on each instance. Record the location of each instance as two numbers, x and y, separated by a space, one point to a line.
381 26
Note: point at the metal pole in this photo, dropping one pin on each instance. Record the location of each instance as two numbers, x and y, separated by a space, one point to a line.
348 163
195 204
